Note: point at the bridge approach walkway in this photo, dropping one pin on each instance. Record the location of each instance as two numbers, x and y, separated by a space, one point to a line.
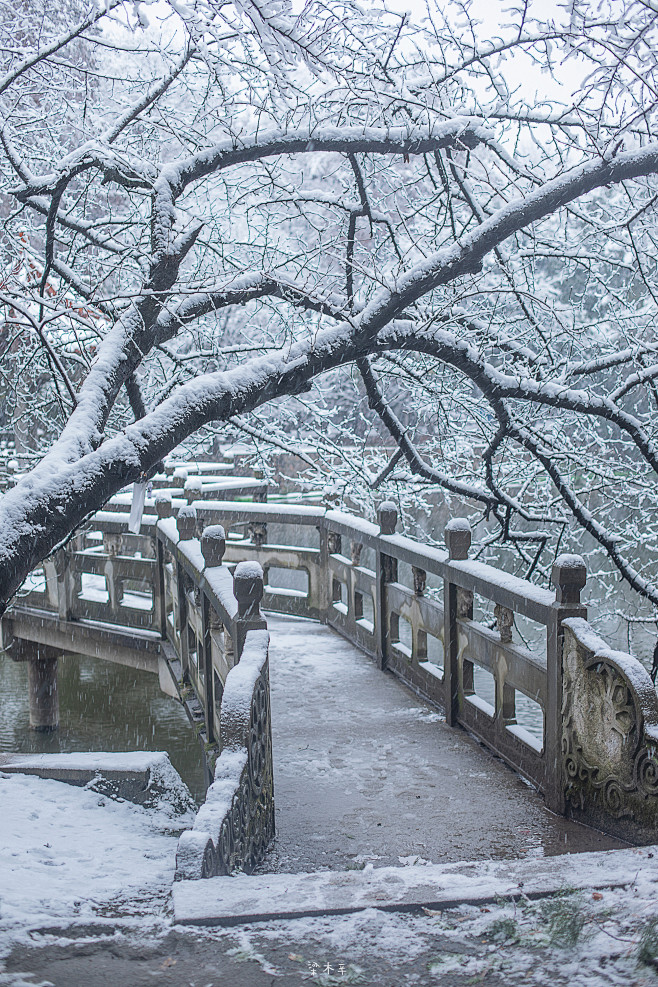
366 772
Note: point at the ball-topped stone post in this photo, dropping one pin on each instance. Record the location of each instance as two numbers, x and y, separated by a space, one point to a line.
213 545
569 576
186 523
163 506
248 591
179 477
457 534
387 517
193 488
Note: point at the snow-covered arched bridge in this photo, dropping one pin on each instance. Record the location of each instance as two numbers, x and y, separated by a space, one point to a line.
367 767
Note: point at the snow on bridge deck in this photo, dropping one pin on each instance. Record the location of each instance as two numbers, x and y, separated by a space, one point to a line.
366 772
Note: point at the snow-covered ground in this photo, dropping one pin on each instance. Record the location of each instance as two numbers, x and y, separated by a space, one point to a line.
73 862
68 855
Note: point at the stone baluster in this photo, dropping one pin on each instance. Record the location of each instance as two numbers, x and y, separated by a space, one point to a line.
248 590
112 546
213 547
420 580
258 533
387 572
260 495
457 604
505 694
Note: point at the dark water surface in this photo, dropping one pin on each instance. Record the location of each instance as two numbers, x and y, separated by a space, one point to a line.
103 707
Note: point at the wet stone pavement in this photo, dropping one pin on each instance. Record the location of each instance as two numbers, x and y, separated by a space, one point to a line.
366 772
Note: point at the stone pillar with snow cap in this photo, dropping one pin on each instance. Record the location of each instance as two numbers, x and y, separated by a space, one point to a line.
387 572
213 545
457 605
248 590
458 536
387 516
193 488
186 523
569 576
163 505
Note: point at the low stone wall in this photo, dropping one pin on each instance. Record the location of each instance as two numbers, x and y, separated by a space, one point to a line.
235 825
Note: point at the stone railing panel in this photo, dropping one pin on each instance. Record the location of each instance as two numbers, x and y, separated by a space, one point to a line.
609 737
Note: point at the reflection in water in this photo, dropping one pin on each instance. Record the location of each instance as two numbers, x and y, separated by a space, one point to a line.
103 707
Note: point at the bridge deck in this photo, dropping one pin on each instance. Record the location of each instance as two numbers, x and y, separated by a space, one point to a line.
365 771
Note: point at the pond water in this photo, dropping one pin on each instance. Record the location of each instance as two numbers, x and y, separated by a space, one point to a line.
103 707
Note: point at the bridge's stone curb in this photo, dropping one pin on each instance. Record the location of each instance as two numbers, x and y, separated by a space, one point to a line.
242 899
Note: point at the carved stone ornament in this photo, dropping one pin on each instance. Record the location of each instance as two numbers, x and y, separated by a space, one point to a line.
248 828
609 737
465 603
333 543
258 533
186 523
420 580
504 622
248 589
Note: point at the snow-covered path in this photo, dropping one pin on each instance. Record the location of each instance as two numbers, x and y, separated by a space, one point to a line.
365 771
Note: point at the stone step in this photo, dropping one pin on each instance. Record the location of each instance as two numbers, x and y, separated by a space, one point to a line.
260 898
125 775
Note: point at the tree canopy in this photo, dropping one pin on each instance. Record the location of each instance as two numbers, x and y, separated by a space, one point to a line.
416 225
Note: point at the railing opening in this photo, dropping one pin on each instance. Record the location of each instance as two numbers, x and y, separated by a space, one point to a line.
339 595
431 655
401 635
93 588
364 611
484 690
287 582
530 722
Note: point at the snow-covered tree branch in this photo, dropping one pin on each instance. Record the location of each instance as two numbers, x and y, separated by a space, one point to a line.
212 207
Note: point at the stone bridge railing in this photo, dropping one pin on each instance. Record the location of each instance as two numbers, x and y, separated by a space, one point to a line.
443 623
